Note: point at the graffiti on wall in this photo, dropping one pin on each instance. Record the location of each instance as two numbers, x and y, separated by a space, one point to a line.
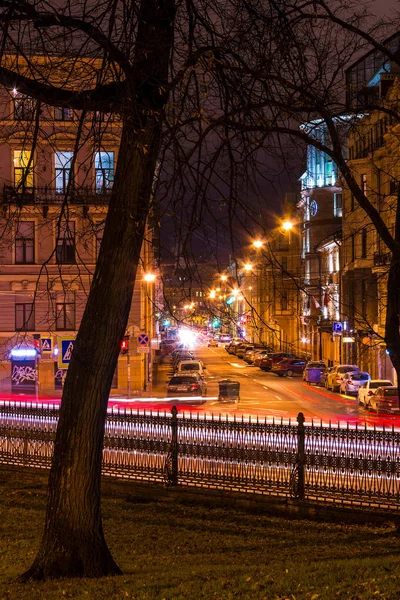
23 374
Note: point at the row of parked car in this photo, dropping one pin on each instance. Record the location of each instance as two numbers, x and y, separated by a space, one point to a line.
187 374
280 363
379 395
374 394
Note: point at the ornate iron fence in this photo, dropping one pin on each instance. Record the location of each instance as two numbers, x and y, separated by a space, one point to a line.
347 466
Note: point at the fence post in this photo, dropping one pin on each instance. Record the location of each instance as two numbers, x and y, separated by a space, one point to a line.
173 474
300 456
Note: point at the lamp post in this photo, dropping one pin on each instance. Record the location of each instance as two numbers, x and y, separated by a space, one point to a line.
149 278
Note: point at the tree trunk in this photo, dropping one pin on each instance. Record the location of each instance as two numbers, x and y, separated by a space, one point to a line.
73 543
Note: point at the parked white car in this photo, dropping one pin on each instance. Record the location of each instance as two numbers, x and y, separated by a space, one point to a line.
335 377
352 381
369 388
189 367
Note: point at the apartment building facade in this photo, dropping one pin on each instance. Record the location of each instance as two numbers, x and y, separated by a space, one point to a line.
320 215
56 174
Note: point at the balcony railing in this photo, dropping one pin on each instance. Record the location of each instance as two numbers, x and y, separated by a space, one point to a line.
382 259
47 195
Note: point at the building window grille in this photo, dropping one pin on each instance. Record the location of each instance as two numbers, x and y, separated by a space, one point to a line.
25 243
364 243
24 108
62 168
24 317
352 248
65 247
63 114
104 170
65 316
23 169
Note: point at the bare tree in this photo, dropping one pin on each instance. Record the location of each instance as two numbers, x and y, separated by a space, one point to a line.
162 73
200 89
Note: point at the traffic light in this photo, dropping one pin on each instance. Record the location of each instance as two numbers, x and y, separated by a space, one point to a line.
125 345
36 341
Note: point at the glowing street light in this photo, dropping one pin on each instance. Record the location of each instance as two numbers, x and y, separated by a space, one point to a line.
212 294
287 225
224 277
149 277
258 244
248 267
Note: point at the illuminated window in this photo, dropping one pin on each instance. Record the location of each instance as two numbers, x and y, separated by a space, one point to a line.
24 317
104 170
337 205
25 243
363 183
62 167
23 175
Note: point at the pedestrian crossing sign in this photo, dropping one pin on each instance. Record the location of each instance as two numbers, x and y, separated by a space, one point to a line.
46 344
66 346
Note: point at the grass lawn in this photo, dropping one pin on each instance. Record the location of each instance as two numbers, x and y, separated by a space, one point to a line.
175 551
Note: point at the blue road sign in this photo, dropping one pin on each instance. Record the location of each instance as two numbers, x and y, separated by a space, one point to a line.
143 339
46 344
67 347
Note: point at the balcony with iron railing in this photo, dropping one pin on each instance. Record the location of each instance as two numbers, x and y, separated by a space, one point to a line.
382 259
49 196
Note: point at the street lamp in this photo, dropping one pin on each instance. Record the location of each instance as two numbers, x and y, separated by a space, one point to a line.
248 267
149 277
258 244
287 225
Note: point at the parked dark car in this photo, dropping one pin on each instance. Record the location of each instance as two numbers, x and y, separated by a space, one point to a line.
241 348
324 376
259 357
251 355
231 348
289 367
385 399
186 385
267 363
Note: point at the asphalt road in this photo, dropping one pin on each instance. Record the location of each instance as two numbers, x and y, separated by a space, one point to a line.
266 394
262 395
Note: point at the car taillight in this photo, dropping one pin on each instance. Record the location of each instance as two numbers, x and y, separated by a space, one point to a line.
194 387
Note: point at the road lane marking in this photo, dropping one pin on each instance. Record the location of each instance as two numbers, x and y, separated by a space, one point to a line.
327 395
265 387
279 398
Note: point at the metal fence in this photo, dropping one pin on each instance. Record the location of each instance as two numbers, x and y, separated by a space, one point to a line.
347 466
